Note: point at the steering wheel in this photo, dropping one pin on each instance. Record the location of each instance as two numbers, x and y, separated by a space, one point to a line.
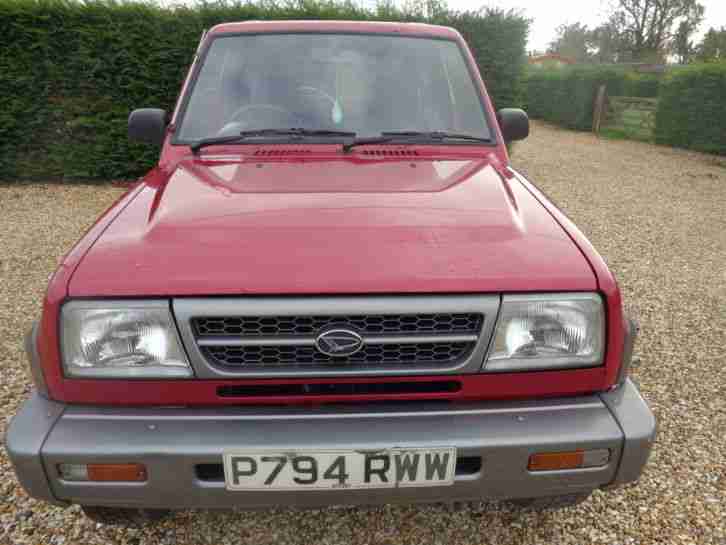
240 112
335 114
309 89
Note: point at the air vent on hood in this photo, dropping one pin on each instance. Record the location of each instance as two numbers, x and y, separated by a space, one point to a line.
280 152
390 152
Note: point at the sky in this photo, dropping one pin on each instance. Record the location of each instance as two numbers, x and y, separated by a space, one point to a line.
547 15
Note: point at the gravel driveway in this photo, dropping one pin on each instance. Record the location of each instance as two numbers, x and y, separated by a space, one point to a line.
657 215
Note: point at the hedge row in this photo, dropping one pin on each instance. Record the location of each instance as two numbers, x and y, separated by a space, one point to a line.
70 72
691 100
565 96
692 109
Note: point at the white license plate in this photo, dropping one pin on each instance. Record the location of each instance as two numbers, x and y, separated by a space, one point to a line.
339 469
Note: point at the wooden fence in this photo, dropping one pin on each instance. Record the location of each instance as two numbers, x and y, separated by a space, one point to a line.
629 117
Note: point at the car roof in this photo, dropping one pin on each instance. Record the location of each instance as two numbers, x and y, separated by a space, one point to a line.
362 27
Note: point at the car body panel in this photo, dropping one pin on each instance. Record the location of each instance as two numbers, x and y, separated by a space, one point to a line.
334 226
607 285
501 436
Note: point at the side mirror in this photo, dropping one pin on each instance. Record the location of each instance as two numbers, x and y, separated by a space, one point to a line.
513 123
147 125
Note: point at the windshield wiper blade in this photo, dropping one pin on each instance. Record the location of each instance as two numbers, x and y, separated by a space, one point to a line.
390 136
297 132
438 135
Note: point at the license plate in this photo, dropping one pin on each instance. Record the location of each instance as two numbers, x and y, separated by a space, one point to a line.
339 469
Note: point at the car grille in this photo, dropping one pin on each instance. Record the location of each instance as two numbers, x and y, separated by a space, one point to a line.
370 354
306 336
389 339
258 326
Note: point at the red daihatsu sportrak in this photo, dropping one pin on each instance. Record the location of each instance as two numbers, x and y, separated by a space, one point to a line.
332 289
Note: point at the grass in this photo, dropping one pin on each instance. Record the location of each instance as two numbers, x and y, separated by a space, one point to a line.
623 134
632 124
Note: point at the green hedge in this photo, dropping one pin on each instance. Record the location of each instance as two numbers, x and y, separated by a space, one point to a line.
70 72
565 96
692 109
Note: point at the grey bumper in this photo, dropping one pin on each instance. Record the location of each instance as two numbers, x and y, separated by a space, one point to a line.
177 444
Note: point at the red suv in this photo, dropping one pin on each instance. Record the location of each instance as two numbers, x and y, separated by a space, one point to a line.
332 289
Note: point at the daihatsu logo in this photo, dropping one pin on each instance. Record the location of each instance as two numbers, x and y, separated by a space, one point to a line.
339 342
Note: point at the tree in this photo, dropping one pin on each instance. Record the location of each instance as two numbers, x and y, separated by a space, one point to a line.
427 9
681 45
713 46
608 45
647 26
572 41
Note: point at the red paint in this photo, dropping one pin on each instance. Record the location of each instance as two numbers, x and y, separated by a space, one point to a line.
332 225
204 392
367 27
607 285
448 219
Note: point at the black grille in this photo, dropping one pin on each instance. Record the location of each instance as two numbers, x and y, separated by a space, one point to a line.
340 388
371 324
370 354
391 152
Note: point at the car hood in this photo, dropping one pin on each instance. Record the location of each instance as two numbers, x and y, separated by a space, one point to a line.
251 226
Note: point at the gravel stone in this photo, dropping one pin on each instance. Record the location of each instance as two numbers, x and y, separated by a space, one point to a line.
657 216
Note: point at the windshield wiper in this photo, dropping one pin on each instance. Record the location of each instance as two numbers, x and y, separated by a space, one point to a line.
296 132
391 136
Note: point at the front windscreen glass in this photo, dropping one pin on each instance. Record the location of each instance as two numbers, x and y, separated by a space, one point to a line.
367 84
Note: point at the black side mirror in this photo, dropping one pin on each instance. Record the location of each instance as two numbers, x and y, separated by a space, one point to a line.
513 123
147 125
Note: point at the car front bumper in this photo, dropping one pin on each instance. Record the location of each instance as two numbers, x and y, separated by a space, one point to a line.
182 447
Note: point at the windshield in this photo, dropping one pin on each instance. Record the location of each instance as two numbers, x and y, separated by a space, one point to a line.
367 84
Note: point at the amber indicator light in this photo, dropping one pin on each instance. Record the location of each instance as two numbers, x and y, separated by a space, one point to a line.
548 461
117 472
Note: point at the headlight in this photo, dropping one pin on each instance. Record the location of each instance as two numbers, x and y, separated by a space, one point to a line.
121 339
548 331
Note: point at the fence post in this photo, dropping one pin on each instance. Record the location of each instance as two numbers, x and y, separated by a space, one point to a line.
597 109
